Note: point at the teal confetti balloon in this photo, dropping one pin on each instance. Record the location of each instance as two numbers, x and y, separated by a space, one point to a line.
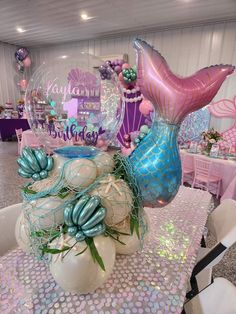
34 163
85 218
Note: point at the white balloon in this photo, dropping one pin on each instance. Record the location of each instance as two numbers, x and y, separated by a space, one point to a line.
57 164
80 273
80 173
104 163
22 233
45 213
116 197
132 242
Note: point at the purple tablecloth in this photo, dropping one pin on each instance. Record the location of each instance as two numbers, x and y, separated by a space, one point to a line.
151 281
8 126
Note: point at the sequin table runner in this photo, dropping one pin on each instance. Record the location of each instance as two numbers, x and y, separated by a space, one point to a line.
151 281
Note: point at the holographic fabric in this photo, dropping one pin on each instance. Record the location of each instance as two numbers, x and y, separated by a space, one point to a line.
151 281
156 164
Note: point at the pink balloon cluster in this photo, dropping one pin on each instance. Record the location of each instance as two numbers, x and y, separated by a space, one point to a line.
146 107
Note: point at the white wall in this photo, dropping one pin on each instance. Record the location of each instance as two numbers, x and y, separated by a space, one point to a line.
9 90
185 49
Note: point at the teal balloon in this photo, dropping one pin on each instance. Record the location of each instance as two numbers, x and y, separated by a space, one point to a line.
36 177
50 163
68 215
95 219
79 236
78 208
88 209
157 167
23 174
30 159
24 166
95 231
141 136
41 158
85 217
144 129
137 140
43 174
72 231
125 71
34 163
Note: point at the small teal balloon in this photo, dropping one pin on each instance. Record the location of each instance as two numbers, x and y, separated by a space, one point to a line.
72 231
78 208
95 231
31 159
133 77
68 215
144 129
43 174
50 163
125 71
88 209
36 177
79 236
24 174
141 136
23 165
137 140
95 219
41 158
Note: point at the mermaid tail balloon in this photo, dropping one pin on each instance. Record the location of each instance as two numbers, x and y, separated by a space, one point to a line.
156 161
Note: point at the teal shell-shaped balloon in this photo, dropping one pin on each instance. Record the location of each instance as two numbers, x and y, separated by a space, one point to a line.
85 218
34 163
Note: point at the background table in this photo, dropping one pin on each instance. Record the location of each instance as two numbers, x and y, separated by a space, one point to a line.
8 126
151 281
226 170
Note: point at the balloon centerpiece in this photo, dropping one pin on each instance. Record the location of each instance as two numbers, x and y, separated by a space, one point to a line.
84 205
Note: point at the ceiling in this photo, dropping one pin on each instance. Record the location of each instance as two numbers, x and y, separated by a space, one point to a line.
57 21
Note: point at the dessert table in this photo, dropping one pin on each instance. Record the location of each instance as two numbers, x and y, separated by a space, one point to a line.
8 126
153 280
226 169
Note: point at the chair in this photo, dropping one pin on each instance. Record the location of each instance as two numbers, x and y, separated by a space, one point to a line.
8 218
187 167
222 224
19 138
218 298
204 177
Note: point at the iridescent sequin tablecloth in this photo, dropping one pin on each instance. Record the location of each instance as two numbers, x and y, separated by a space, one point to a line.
151 281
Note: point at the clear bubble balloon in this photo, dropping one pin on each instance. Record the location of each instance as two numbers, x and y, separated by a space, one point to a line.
68 102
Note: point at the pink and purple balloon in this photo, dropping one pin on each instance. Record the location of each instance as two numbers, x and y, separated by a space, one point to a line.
156 161
21 54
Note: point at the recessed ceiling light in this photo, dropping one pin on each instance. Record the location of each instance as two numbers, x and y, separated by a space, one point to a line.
64 57
85 17
20 30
